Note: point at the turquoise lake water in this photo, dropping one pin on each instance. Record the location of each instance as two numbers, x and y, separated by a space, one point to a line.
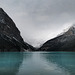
37 63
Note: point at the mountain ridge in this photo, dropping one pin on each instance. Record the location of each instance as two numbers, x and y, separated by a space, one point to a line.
10 38
64 42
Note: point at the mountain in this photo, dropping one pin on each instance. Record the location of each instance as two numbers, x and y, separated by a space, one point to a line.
10 38
64 42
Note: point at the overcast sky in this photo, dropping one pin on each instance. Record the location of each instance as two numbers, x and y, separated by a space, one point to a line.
40 20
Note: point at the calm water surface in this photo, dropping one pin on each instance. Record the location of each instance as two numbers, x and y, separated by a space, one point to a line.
37 63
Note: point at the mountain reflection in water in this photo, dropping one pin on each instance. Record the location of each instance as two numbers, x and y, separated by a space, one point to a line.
10 63
48 63
37 63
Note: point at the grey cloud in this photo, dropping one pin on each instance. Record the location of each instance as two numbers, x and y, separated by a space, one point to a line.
40 20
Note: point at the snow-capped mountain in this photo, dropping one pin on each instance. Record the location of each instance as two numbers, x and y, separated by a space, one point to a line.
64 42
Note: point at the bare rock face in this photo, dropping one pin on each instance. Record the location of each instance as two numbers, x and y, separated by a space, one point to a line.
64 42
10 38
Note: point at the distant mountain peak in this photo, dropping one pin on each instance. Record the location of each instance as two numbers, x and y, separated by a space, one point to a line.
71 30
73 26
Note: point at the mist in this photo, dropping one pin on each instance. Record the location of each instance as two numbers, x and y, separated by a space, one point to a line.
40 20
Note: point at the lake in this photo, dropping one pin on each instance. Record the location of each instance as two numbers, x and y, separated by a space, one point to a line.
37 63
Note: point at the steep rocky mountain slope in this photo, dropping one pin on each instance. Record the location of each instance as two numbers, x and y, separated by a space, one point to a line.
64 42
10 38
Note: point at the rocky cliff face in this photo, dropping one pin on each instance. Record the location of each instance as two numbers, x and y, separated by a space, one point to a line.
64 42
10 38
